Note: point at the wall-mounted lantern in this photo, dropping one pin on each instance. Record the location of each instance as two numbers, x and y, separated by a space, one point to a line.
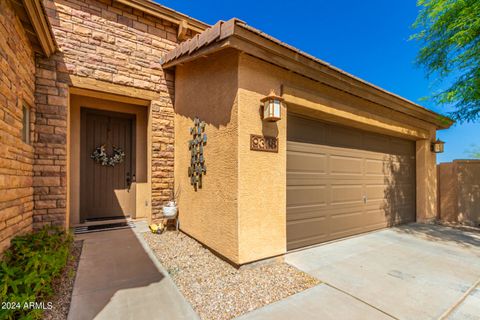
272 107
438 146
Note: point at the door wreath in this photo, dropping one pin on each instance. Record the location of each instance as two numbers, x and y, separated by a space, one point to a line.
100 156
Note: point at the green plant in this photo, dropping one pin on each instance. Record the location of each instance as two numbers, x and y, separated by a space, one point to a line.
449 32
27 271
474 152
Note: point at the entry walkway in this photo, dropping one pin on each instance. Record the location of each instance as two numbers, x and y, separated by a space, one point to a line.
118 279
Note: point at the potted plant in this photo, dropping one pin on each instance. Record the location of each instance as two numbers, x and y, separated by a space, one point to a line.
170 208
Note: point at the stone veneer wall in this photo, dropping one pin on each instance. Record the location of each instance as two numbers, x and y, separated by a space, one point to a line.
50 166
17 78
113 43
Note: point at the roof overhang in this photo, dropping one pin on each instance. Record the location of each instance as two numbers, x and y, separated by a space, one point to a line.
237 34
32 15
183 21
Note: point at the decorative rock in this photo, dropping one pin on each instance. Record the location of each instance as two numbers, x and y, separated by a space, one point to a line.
214 288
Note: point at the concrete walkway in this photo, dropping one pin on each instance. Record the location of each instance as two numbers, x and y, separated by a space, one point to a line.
119 278
412 272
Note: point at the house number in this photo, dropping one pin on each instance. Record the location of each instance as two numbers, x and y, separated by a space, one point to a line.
263 143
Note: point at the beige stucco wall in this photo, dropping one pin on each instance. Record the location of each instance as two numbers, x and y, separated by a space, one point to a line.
426 175
262 185
207 88
262 182
142 185
241 210
447 192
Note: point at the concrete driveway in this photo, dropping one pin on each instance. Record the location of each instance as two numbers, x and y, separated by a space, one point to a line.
410 272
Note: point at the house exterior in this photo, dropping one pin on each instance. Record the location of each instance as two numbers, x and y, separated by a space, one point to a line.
148 84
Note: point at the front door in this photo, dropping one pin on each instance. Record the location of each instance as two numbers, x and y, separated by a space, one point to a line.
107 160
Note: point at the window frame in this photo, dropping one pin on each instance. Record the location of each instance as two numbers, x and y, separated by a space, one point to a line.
25 131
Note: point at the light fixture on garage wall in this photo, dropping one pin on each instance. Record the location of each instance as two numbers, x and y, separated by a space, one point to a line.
272 107
438 146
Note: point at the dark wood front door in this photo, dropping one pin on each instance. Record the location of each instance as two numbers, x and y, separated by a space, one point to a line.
106 191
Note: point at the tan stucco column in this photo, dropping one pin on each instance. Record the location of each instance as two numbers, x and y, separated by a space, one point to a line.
426 182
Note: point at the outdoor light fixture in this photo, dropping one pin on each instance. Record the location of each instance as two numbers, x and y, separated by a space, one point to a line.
271 107
438 146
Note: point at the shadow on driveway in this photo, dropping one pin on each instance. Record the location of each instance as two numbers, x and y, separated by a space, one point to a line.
442 234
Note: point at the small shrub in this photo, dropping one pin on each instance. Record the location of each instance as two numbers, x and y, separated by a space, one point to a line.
27 271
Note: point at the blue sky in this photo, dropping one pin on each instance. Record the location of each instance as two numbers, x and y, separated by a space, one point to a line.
368 39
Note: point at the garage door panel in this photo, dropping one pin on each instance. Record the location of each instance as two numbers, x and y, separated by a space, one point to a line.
341 137
329 171
305 180
307 213
307 163
343 164
306 195
314 231
296 179
376 192
355 220
346 194
302 214
374 167
295 241
404 147
376 142
300 130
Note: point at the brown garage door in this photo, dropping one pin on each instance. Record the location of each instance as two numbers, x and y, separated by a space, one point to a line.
342 181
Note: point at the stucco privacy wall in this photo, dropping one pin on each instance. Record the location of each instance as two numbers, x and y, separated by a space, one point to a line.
468 180
17 80
207 88
262 185
103 45
459 192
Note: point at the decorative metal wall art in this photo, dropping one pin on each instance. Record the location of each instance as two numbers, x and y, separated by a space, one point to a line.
197 160
263 143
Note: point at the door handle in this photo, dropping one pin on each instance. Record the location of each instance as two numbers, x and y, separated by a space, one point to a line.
128 180
365 198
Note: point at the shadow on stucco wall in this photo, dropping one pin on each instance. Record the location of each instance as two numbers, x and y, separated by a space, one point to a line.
207 89
469 192
459 192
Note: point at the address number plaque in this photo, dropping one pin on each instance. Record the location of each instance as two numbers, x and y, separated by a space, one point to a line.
263 143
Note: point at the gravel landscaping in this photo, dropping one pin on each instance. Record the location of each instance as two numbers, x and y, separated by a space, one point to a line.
214 288
63 287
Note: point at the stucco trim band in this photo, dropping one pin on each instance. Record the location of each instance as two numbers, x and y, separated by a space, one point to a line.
351 116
